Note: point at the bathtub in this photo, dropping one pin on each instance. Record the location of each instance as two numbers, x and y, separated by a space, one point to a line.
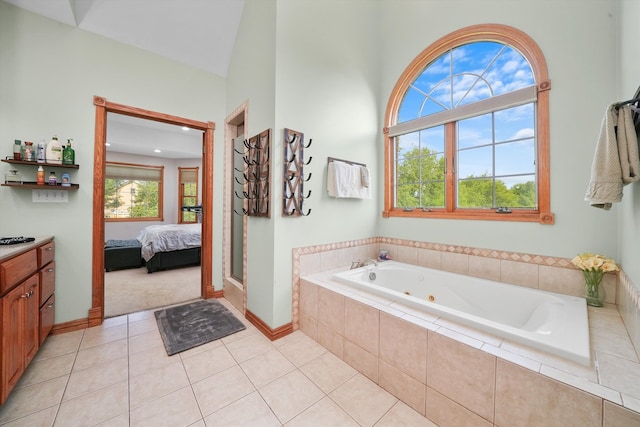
555 323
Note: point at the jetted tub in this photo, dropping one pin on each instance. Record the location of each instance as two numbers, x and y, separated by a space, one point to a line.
548 321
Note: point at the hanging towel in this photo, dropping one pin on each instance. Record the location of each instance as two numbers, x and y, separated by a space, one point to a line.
364 176
344 180
616 161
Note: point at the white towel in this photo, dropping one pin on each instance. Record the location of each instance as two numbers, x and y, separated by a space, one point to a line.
364 176
345 180
616 161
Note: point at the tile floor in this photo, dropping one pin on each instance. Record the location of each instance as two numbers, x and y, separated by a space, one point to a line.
118 374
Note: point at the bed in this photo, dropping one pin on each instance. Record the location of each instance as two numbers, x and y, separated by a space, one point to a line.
170 246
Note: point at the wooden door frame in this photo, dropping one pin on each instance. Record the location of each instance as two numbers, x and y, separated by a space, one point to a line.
96 312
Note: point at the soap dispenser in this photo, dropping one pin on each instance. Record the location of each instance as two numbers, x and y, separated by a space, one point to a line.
68 154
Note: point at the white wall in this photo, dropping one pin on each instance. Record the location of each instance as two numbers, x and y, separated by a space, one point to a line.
578 40
629 209
48 77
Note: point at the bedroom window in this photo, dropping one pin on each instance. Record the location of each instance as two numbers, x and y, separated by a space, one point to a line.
467 133
187 194
133 192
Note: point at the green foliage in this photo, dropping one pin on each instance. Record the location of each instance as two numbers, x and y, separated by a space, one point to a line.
145 202
112 192
421 178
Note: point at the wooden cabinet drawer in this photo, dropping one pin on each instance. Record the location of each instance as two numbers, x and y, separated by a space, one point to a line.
47 317
46 253
47 281
17 269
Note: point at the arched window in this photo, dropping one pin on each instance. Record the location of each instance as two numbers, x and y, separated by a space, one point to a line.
467 132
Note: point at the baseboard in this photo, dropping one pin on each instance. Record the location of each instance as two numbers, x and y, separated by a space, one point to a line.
96 316
70 326
218 294
272 334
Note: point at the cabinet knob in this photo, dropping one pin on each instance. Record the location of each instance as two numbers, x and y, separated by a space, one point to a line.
50 248
50 306
51 270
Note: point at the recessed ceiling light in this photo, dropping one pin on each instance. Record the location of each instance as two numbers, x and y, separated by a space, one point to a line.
107 144
184 128
157 151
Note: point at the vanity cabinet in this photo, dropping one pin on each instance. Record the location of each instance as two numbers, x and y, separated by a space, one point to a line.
27 283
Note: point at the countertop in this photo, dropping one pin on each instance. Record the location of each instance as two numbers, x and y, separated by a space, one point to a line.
9 251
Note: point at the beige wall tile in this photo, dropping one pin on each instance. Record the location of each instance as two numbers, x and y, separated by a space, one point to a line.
309 299
328 260
390 248
548 402
430 258
331 310
402 386
609 283
331 340
615 416
455 263
407 254
404 346
362 325
519 273
445 412
486 268
360 359
234 295
310 264
345 256
309 326
462 373
562 280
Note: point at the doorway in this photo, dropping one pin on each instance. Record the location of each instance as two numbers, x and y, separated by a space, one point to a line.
96 313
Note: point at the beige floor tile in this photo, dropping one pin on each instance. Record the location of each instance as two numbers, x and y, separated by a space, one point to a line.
94 408
47 369
140 315
301 350
143 326
114 321
100 354
156 383
97 377
199 423
401 415
266 367
328 372
363 400
57 345
121 420
99 335
248 347
42 418
149 359
619 374
208 363
175 409
221 389
288 396
145 341
250 410
33 398
323 413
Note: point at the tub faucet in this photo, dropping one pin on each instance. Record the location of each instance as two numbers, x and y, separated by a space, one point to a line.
367 261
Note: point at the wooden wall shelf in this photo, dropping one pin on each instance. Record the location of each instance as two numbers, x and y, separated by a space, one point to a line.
36 186
55 165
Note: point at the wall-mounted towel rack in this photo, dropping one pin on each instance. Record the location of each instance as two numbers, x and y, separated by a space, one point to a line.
333 159
294 178
635 107
255 175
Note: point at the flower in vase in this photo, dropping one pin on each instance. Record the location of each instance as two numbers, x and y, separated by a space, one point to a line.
593 267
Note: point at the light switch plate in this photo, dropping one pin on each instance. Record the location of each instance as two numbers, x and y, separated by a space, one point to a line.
49 196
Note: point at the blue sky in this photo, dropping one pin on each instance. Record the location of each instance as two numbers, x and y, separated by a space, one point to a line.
480 70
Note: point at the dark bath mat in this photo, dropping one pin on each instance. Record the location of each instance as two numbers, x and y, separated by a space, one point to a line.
190 325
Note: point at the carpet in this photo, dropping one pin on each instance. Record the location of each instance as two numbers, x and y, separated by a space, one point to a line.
189 325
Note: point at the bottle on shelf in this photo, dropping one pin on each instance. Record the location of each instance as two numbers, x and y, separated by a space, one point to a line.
40 175
41 151
29 152
53 153
53 179
68 154
17 149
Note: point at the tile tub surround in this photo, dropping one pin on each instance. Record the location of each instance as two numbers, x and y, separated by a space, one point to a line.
458 376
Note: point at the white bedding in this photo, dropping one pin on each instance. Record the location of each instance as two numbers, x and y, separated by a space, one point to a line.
171 237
